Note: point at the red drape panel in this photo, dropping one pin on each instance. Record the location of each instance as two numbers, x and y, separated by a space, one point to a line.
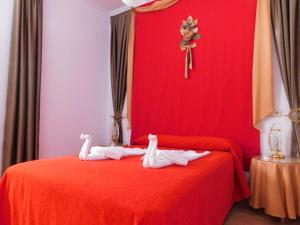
217 99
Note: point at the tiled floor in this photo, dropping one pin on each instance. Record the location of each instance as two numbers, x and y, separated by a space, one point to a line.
242 214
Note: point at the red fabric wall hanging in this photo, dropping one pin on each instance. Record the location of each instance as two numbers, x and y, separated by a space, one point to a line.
217 98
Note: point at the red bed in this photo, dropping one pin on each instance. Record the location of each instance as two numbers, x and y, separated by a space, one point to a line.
66 191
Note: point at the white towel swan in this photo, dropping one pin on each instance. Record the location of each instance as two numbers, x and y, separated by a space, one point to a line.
100 153
155 158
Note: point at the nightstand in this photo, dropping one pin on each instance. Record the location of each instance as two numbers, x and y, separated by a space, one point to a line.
275 186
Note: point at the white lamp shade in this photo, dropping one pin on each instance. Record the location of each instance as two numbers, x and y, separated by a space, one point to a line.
130 3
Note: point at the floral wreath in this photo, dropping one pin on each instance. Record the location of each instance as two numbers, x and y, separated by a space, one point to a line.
189 32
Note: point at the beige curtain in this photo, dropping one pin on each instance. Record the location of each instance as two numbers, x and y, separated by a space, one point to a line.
263 96
21 137
286 26
156 6
120 26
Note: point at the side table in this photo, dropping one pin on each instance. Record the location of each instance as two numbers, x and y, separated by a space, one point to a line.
275 186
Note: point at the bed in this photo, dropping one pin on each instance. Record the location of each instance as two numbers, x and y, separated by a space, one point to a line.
67 191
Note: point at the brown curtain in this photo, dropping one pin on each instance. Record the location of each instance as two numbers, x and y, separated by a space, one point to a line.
21 137
286 27
120 26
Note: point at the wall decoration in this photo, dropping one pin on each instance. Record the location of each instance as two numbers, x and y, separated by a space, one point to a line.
189 32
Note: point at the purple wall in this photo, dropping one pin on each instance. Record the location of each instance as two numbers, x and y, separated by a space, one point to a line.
75 76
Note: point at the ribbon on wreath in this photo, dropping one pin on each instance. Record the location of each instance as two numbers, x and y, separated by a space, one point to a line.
188 58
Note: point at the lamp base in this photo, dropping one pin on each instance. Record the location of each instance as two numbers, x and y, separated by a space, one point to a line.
277 155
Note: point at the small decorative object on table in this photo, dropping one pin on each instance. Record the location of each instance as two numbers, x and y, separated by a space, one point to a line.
189 32
294 117
275 136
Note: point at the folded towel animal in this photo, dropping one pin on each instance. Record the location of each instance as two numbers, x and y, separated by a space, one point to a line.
100 153
155 158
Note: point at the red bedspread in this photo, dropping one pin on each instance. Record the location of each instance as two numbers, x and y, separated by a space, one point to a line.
66 191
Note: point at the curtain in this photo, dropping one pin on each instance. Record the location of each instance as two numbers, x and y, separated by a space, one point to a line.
156 6
286 26
21 137
262 72
120 26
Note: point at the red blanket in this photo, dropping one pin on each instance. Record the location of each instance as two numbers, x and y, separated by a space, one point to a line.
109 192
241 189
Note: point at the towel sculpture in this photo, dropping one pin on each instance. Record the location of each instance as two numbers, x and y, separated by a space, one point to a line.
111 152
153 158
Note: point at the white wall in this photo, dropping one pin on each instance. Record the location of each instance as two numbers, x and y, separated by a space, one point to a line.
75 76
6 15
